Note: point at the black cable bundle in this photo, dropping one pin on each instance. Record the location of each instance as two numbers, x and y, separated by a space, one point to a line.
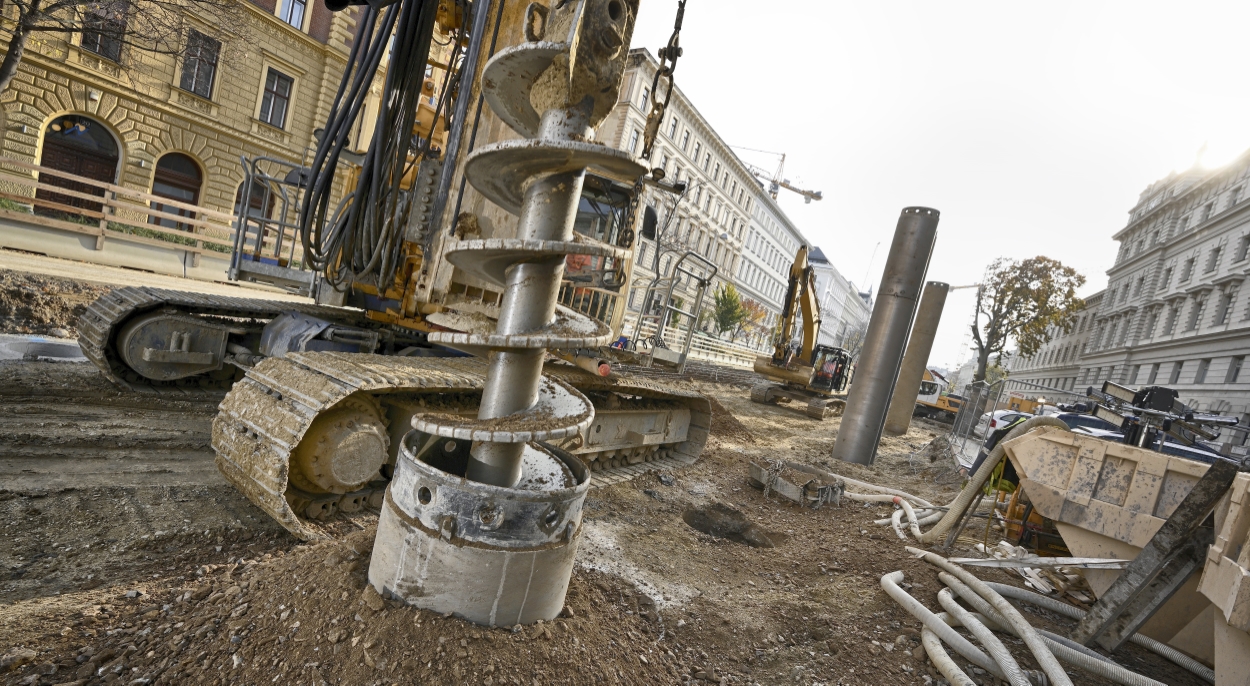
363 236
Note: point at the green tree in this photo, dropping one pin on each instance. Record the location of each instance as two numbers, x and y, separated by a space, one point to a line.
729 311
1020 301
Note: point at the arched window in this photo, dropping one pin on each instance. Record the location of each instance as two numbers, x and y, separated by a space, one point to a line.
80 146
177 178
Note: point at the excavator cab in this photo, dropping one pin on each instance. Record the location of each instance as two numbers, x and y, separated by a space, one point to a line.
831 369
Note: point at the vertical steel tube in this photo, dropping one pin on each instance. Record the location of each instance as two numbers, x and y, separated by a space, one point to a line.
529 302
877 368
916 359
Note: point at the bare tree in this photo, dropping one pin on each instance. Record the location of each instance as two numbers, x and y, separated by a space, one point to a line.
853 339
1020 301
108 26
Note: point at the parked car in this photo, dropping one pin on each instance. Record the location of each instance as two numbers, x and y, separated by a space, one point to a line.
992 421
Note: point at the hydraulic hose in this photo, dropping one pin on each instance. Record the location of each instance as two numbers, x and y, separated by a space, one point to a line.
1045 658
1157 647
995 647
974 486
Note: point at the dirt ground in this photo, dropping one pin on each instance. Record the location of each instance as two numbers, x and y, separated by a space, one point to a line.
125 558
47 305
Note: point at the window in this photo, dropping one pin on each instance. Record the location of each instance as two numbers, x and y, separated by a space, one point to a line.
646 96
1213 259
633 140
1166 280
1176 372
1154 373
1243 244
1188 270
1154 238
1200 376
698 147
177 178
1132 378
1141 281
664 162
1234 196
199 64
103 29
1182 223
685 139
672 128
1170 327
707 159
1225 306
293 13
1150 325
1195 314
716 174
1208 210
1234 369
277 97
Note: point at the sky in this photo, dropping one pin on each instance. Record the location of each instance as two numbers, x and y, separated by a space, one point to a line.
1033 128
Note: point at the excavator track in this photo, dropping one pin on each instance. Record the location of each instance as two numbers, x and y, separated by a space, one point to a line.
268 412
99 324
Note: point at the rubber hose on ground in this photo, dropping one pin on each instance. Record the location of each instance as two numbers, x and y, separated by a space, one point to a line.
977 602
1069 652
926 517
1159 648
829 476
942 660
963 646
995 647
1045 658
970 489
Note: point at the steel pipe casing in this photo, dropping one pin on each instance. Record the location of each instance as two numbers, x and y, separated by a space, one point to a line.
878 366
916 359
493 555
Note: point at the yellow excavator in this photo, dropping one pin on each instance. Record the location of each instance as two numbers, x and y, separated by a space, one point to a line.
803 371
465 281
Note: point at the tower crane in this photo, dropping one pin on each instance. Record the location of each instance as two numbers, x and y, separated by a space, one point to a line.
777 180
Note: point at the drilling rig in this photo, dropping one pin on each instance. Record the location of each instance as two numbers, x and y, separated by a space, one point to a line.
450 371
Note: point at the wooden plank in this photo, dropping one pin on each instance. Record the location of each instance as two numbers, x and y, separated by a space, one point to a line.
48 222
112 187
69 209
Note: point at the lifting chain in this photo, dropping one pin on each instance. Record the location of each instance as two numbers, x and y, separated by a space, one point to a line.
668 62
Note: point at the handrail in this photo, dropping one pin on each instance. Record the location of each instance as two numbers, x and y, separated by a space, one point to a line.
111 187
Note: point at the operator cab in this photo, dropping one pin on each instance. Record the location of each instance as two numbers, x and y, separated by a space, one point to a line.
831 369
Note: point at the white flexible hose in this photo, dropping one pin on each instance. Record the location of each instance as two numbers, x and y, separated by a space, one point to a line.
995 647
1045 658
896 521
963 646
1069 652
941 659
863 485
911 516
961 502
1162 649
927 517
999 624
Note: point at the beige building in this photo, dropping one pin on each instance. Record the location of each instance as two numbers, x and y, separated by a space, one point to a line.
711 219
176 126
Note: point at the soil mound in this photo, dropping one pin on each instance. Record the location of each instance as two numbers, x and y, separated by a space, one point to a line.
726 426
33 303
